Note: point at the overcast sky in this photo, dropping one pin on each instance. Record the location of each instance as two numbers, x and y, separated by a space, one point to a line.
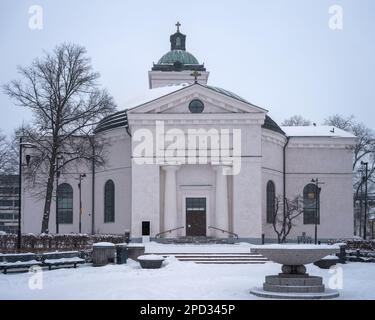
278 54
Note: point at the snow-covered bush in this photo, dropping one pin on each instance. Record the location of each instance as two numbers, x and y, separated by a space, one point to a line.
357 243
44 241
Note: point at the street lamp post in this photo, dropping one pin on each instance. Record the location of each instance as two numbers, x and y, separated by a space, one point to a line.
366 178
361 205
317 207
57 202
81 176
19 196
21 146
57 192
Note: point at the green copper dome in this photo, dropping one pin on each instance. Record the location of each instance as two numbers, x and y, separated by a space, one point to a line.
178 59
181 56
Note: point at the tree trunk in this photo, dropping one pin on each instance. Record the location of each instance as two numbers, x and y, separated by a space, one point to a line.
48 200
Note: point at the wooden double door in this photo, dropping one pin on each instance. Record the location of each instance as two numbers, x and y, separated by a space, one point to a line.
196 213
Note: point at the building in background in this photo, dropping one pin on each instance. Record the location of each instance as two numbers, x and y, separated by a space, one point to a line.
9 203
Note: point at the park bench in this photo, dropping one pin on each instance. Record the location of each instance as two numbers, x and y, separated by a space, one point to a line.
56 259
18 261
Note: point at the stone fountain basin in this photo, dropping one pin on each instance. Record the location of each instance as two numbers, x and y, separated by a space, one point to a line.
296 254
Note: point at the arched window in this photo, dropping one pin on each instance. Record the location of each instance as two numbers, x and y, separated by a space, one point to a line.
311 203
178 42
65 203
109 202
270 201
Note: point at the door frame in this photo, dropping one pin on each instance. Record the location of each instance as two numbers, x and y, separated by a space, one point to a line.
196 192
201 212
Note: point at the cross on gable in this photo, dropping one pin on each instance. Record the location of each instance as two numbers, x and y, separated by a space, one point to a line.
196 74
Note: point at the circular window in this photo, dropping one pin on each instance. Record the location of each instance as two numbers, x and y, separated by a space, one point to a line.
196 106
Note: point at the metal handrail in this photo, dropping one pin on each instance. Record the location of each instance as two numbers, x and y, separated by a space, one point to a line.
168 231
225 231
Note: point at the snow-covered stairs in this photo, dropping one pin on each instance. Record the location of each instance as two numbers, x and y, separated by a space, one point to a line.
207 253
218 258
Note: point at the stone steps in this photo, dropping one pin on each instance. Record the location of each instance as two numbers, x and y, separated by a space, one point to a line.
218 258
197 240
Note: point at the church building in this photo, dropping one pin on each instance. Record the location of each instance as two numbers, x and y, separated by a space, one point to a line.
190 159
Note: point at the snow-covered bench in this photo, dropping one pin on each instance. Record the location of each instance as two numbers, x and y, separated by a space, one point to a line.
56 259
18 261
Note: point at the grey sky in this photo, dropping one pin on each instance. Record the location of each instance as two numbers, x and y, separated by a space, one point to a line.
278 54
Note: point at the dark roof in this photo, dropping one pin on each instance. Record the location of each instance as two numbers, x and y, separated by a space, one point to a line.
119 119
272 125
178 66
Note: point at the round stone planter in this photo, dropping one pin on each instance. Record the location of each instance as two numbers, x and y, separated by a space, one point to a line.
151 261
294 282
103 253
135 250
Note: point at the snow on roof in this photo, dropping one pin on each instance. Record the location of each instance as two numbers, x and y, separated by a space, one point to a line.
156 93
151 95
317 131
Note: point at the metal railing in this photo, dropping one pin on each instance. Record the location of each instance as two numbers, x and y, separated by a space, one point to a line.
157 236
235 235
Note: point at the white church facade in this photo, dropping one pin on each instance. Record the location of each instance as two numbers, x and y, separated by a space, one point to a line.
188 159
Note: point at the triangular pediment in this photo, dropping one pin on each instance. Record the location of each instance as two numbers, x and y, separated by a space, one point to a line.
216 101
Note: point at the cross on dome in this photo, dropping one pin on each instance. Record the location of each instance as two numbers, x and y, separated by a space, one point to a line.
178 25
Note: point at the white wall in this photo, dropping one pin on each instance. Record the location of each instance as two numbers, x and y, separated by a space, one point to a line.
159 79
272 170
329 160
118 168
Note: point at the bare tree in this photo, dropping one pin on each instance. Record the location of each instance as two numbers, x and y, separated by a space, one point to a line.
364 151
3 152
62 91
338 121
296 121
283 220
8 156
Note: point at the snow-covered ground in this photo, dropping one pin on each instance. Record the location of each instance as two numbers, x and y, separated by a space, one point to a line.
176 280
